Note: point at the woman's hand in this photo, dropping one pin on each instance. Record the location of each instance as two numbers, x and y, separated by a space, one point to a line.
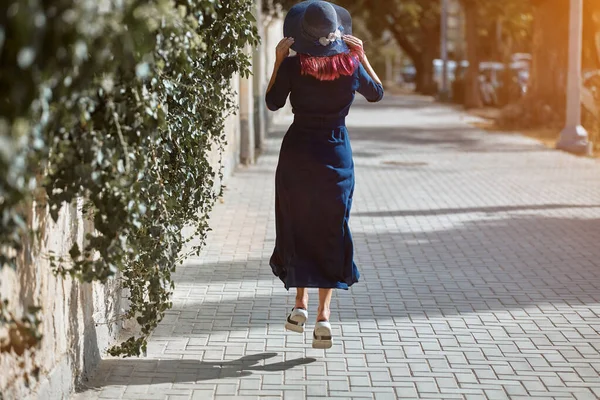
355 44
283 49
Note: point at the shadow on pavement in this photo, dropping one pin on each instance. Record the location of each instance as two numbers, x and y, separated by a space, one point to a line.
456 138
144 372
406 102
233 274
503 264
489 210
517 264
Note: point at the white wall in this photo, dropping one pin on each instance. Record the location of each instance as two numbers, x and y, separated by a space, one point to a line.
74 315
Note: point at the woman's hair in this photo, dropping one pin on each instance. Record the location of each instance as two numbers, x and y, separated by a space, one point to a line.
330 68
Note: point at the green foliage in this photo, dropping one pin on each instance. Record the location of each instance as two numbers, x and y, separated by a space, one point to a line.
23 333
516 21
120 106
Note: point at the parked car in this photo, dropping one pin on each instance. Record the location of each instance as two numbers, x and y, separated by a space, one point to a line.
497 85
490 81
508 85
522 57
409 74
453 66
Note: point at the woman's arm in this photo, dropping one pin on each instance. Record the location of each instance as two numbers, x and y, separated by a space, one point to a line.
274 74
282 51
370 70
357 44
279 85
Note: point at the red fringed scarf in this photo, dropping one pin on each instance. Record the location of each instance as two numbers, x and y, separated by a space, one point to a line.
330 68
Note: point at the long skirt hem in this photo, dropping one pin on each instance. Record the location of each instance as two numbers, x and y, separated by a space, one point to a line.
279 272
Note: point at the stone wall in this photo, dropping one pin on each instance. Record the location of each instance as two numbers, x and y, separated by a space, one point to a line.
75 316
78 318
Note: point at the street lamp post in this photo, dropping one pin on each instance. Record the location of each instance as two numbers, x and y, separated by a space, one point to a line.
574 137
444 92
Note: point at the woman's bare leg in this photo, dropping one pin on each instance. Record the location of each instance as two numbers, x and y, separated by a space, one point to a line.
324 302
301 298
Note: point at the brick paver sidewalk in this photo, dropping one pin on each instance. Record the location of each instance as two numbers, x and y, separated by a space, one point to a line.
480 261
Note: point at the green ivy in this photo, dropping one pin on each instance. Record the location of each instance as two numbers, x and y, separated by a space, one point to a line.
122 107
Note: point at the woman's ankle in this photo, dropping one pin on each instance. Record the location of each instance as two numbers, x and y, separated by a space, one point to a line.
301 303
301 298
323 314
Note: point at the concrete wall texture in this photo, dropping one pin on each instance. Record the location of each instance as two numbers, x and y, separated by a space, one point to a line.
75 316
78 319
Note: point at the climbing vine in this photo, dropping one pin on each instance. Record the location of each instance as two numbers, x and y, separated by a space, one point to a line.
120 103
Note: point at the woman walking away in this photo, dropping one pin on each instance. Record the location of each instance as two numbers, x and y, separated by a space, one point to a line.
315 175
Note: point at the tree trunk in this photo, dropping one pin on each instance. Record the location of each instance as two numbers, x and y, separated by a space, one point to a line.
422 56
425 76
591 35
472 95
419 80
597 35
509 90
426 83
546 99
596 23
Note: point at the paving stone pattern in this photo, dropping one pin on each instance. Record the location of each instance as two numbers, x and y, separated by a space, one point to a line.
480 262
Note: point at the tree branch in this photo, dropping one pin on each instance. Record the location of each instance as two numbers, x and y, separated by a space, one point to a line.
403 41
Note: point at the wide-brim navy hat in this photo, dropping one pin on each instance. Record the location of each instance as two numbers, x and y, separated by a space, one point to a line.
317 28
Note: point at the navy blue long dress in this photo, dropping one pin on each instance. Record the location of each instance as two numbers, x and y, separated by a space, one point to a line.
315 178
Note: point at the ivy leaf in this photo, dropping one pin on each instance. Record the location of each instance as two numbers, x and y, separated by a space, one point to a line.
75 253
